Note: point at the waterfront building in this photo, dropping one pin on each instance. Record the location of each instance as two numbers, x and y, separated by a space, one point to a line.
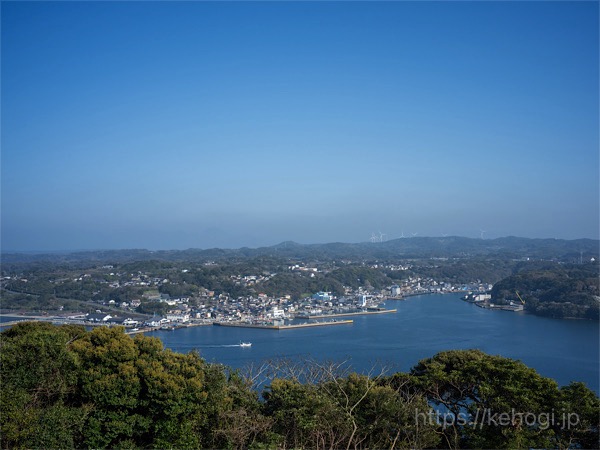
362 301
278 313
178 317
98 317
322 296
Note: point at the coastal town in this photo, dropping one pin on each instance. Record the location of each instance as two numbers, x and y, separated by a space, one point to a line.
207 307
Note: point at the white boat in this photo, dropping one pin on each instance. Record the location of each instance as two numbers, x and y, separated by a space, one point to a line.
245 344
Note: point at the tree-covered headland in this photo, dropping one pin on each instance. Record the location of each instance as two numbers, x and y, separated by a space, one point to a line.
554 290
65 387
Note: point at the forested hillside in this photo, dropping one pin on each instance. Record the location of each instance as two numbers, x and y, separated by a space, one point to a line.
64 387
554 290
414 247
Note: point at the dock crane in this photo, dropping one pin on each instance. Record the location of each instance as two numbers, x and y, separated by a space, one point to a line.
522 301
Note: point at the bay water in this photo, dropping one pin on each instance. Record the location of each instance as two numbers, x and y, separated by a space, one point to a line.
562 349
566 350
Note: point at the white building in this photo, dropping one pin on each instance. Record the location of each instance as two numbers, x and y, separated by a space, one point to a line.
98 317
362 300
178 317
278 313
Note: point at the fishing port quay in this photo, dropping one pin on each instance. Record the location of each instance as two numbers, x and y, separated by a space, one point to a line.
483 300
267 326
346 314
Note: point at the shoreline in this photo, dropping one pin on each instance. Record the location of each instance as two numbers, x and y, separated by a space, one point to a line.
361 313
281 327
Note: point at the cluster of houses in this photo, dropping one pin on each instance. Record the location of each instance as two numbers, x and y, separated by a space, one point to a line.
128 322
418 285
262 308
207 306
103 318
251 280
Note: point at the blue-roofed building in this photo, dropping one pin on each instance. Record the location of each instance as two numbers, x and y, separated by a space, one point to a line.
322 296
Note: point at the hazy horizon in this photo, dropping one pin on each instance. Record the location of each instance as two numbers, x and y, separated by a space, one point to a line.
176 125
75 250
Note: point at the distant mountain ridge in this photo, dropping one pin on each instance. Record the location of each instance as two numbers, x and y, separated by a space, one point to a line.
406 248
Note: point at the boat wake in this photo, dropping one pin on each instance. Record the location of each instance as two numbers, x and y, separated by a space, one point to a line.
222 346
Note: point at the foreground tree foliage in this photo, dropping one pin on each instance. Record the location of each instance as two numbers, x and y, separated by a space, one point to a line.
65 387
510 404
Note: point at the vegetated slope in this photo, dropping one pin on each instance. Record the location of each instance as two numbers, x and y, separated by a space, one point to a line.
297 284
415 247
556 290
64 387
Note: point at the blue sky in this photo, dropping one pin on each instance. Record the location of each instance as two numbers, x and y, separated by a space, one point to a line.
168 125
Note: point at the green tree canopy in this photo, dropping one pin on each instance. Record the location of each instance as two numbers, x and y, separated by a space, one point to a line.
65 387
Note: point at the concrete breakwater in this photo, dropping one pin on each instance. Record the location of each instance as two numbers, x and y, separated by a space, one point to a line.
358 313
281 327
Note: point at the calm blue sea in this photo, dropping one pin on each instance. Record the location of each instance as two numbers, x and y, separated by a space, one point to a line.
566 350
13 319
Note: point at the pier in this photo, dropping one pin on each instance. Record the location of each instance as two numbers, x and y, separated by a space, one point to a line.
357 313
282 327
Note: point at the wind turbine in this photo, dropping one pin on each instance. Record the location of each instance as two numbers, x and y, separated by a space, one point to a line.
373 238
402 235
414 234
381 235
482 231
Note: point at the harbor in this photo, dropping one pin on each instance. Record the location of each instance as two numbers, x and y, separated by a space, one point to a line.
418 330
346 314
267 326
484 300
